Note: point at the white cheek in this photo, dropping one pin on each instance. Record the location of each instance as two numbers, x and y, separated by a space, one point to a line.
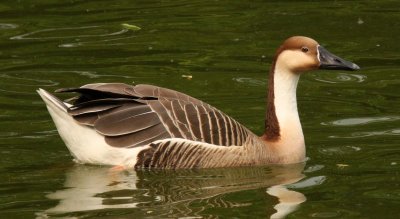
297 61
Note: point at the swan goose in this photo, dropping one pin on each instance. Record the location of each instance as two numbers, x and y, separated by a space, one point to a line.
146 126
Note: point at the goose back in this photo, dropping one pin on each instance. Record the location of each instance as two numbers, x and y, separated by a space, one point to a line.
132 116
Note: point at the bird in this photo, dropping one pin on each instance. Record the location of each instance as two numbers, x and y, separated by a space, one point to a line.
150 127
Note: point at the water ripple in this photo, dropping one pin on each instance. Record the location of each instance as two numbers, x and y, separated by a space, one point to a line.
309 182
339 150
31 35
339 78
24 135
96 42
8 134
25 81
382 193
250 81
361 121
314 168
89 74
391 132
21 82
4 26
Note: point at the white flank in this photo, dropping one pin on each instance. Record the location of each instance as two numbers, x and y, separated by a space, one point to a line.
84 143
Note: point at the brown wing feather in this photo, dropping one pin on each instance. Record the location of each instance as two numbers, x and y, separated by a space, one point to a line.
130 116
87 119
166 118
143 137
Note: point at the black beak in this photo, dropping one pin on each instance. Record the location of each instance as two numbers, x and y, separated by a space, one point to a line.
329 61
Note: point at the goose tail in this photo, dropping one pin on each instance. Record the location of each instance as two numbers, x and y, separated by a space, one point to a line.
84 143
52 102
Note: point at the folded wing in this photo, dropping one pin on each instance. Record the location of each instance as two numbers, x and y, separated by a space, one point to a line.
131 116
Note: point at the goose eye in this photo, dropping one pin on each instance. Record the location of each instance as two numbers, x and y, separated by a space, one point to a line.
304 49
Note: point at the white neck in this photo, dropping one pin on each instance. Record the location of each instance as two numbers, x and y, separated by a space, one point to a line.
285 85
291 143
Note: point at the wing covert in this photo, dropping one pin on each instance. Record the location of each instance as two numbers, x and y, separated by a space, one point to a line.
130 116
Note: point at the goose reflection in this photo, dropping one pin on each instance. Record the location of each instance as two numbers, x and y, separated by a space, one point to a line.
180 193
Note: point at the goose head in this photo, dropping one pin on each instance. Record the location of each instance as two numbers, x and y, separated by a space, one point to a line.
295 56
299 54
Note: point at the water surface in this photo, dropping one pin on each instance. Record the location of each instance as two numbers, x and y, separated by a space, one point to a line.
219 52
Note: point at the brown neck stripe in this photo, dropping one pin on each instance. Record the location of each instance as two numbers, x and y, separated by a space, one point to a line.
272 129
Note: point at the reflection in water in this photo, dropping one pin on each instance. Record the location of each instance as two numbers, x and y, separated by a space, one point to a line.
90 188
83 185
288 200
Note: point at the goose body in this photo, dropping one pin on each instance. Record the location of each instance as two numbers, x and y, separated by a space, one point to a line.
146 126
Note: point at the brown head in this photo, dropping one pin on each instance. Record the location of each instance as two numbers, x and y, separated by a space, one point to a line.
299 54
296 55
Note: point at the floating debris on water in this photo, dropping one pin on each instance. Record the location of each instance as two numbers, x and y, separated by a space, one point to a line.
341 165
131 27
189 77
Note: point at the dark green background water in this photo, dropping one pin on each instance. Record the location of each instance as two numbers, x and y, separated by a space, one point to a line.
350 119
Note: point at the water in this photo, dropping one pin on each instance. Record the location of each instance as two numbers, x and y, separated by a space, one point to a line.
218 51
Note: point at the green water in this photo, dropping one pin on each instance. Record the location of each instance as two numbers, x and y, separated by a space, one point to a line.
350 119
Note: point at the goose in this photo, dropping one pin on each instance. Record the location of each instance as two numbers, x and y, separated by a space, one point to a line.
146 126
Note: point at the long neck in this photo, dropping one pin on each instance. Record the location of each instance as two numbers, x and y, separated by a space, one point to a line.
282 123
285 85
283 135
